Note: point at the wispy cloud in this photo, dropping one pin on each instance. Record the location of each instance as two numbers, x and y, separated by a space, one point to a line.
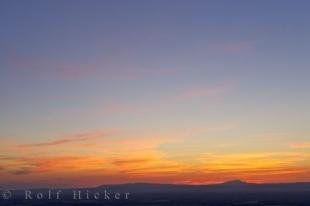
54 164
141 158
155 167
57 142
70 139
117 108
40 66
240 47
22 171
200 91
188 94
65 164
300 145
5 157
121 162
251 161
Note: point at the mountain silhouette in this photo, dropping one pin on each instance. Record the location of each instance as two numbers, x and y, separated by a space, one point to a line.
230 193
233 185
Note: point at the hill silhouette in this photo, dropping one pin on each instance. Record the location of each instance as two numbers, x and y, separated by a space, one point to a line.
233 185
231 193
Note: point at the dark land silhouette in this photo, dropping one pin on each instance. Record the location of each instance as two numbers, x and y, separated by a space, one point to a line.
234 193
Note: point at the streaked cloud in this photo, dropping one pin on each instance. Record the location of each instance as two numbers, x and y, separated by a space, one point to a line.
70 139
156 167
251 161
128 157
65 164
201 92
43 67
121 162
6 157
300 145
58 164
22 171
241 47
116 108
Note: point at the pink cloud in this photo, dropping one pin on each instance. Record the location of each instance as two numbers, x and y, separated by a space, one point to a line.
39 66
118 109
301 145
192 93
45 67
241 47
202 91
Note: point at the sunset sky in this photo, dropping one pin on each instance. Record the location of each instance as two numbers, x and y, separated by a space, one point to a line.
186 92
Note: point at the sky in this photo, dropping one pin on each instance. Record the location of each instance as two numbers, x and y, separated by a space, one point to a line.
183 92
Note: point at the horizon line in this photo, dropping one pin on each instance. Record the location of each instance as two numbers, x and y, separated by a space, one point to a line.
171 184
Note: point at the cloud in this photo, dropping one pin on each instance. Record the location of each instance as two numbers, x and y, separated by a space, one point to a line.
55 164
70 139
300 145
241 47
156 167
67 164
22 171
271 136
4 157
189 93
121 162
253 167
39 66
251 161
57 142
201 91
131 158
118 109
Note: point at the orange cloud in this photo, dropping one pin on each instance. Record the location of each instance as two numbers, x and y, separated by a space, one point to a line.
22 171
250 161
156 167
58 164
121 162
130 158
